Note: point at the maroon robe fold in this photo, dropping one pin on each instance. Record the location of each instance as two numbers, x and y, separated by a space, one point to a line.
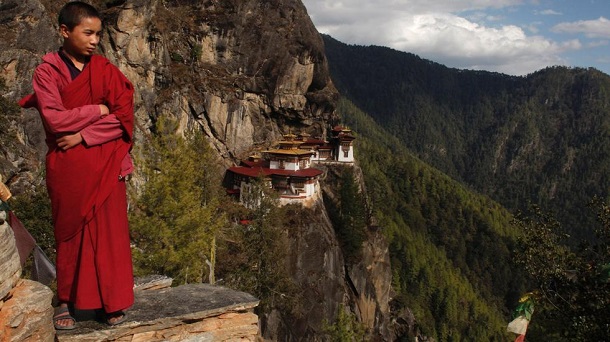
88 199
81 178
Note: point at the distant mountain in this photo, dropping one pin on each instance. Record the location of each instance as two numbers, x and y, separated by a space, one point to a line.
542 138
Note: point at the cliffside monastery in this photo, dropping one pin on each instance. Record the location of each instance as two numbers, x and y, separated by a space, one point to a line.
288 169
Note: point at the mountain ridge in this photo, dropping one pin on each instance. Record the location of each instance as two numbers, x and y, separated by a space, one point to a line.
519 139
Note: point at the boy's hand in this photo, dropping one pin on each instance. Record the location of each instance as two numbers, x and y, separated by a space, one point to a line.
104 111
68 141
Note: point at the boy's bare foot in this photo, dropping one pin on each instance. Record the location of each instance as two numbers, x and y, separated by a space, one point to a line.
116 317
62 320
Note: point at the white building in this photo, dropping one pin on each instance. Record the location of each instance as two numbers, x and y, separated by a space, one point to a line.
288 168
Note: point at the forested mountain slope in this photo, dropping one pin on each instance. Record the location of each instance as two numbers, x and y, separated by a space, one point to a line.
541 138
450 248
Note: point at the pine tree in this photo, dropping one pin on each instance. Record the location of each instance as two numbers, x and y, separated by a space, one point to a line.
351 226
255 252
346 328
177 214
571 284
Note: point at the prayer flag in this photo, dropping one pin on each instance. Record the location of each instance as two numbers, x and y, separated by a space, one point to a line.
522 316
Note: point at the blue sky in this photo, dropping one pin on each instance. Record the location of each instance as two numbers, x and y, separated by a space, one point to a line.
515 37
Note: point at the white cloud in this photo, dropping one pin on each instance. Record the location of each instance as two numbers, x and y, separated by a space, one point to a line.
598 43
418 5
434 30
457 42
550 12
332 12
495 18
533 27
599 28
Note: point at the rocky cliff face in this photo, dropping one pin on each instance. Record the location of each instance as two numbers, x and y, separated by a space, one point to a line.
242 71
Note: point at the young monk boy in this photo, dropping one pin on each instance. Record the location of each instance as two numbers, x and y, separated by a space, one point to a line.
86 106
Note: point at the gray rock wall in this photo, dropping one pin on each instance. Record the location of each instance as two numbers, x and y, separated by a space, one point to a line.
242 71
10 270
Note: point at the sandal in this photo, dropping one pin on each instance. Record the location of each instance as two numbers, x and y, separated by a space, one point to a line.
112 315
63 313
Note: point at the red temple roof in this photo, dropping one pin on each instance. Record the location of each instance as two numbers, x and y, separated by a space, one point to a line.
263 171
258 163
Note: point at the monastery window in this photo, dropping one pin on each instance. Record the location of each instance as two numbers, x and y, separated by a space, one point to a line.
345 147
280 183
281 164
299 184
303 164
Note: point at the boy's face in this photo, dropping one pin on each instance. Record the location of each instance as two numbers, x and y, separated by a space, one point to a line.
82 40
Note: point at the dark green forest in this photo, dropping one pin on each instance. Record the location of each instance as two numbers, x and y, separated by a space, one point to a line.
460 260
451 249
541 139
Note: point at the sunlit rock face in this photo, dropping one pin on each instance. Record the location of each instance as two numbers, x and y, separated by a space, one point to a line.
244 72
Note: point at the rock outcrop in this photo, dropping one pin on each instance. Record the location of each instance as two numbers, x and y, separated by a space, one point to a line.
368 279
26 313
194 312
25 305
9 257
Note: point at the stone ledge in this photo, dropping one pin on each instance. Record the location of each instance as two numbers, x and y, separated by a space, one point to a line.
194 312
26 314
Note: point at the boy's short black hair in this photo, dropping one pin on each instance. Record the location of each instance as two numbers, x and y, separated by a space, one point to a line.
74 12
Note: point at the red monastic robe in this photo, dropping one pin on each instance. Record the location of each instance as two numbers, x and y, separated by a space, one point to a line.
88 198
